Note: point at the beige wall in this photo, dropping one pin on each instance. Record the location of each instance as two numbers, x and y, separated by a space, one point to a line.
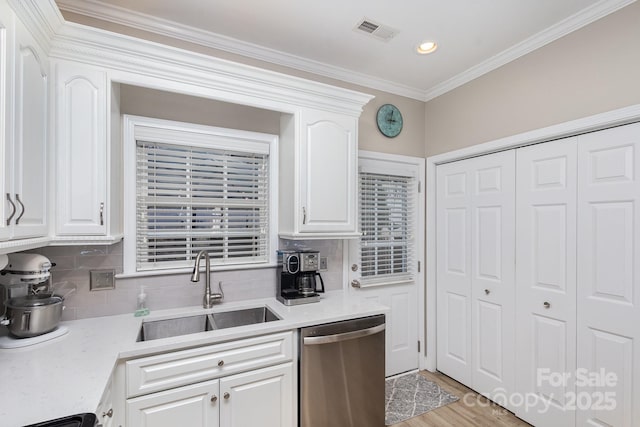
410 142
184 108
589 71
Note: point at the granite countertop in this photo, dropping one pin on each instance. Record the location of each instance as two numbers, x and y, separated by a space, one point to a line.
68 374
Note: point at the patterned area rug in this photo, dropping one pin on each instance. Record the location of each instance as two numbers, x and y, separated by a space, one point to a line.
411 395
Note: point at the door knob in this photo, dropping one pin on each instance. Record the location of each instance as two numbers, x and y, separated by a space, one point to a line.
355 283
214 398
354 267
546 304
226 395
487 291
220 362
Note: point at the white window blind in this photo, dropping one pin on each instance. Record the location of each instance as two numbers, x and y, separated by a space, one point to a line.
190 199
387 221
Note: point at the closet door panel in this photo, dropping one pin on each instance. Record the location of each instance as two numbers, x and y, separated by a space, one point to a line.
493 281
475 247
609 272
546 280
454 270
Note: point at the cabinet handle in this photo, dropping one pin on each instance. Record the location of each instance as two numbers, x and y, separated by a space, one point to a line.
13 209
22 206
546 304
226 395
355 283
487 291
109 413
214 398
220 362
101 213
304 215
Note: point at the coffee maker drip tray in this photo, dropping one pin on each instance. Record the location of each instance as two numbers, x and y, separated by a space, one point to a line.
296 298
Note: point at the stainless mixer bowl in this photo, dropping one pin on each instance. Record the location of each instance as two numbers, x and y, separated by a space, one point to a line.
33 315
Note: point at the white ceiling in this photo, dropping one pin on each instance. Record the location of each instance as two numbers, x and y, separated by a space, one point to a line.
474 36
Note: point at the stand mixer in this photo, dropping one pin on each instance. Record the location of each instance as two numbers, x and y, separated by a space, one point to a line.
31 311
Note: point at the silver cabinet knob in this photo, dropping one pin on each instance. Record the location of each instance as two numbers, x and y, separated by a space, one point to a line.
226 395
220 362
487 291
214 398
546 304
109 413
354 267
355 283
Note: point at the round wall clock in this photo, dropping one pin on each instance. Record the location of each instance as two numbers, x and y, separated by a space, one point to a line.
389 120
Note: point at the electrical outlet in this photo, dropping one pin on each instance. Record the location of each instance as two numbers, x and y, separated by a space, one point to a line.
102 280
323 263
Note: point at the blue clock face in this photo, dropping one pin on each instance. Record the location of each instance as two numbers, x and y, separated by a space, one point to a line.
389 120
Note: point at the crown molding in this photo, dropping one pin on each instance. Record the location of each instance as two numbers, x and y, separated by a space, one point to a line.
42 18
136 61
118 15
562 28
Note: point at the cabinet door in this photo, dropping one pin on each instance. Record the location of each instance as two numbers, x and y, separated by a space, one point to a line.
193 406
327 173
609 276
30 140
546 281
263 397
6 120
82 150
475 271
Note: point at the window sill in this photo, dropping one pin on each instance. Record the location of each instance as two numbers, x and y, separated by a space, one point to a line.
188 270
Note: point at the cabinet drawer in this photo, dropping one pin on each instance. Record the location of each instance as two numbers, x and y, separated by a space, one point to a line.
166 371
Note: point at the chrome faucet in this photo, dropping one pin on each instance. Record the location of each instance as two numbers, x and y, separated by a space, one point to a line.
209 298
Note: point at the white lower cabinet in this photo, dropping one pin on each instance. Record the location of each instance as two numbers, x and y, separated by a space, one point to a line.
249 382
193 405
262 398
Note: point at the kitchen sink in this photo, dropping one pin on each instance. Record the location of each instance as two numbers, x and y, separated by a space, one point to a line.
178 326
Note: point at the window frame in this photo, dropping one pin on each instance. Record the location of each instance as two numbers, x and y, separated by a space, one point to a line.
393 165
195 135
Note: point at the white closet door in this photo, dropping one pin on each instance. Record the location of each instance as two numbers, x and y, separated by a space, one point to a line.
476 299
609 272
453 218
546 281
493 275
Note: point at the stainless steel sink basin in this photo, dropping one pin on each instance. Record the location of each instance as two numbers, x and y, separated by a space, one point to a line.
177 326
249 316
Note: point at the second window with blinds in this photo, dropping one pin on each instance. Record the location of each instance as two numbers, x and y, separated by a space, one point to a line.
190 188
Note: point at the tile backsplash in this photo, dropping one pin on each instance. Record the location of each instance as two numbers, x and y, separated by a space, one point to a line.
74 264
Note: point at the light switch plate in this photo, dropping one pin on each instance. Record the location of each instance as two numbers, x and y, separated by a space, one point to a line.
323 264
102 280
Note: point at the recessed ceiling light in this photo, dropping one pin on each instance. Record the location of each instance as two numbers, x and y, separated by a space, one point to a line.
426 47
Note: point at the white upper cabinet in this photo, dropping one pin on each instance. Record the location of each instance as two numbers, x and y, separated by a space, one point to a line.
81 136
6 80
24 131
318 175
87 170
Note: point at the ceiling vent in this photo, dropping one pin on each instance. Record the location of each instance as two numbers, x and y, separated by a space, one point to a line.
375 30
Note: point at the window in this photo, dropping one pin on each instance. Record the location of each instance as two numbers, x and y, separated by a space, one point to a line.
190 188
387 222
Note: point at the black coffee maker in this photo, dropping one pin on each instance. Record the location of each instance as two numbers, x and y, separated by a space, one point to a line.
297 272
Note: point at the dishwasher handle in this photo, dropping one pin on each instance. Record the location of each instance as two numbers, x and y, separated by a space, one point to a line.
327 339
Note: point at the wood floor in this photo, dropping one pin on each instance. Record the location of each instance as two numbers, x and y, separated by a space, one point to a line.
461 414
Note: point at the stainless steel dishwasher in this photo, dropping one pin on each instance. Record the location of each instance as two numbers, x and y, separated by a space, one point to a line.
342 374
